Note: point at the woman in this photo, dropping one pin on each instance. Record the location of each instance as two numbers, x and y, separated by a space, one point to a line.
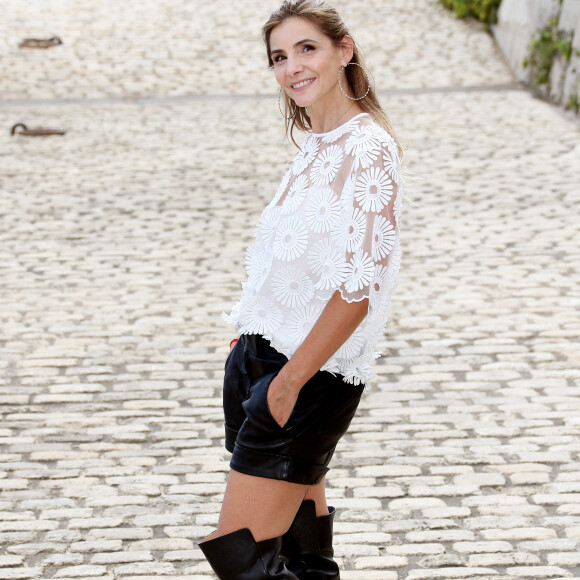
320 277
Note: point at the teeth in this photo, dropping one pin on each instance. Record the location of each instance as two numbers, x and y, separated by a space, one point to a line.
302 84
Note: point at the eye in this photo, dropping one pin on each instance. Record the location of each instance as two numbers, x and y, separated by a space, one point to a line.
278 58
308 48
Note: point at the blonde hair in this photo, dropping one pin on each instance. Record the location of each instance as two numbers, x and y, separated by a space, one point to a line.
329 22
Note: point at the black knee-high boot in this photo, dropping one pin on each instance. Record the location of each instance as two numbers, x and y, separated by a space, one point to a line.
307 545
237 556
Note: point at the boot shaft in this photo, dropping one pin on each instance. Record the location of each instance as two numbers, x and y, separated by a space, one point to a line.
237 556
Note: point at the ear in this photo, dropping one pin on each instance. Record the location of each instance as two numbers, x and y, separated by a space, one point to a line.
346 49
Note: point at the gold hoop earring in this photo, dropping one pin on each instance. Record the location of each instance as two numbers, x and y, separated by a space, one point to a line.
340 83
280 107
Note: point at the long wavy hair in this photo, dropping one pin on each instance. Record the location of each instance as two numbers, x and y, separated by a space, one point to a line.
328 21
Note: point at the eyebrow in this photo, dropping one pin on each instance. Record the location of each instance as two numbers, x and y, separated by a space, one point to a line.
299 43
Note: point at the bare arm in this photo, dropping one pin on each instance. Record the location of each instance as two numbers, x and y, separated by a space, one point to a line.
336 323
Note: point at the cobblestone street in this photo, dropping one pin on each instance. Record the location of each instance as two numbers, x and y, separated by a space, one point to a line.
122 242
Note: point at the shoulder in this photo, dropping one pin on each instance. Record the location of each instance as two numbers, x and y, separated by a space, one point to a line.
370 125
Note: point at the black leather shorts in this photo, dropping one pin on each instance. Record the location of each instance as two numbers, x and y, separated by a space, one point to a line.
300 451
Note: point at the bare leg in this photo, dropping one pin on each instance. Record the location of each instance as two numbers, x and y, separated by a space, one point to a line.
266 506
318 494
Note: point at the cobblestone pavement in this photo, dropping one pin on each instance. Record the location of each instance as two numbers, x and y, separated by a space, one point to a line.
121 243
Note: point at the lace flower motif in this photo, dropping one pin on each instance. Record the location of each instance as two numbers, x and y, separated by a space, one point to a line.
374 189
360 367
384 237
258 265
395 259
351 230
353 346
382 279
365 145
292 288
291 239
328 263
281 188
301 321
296 195
398 206
347 195
261 315
360 272
326 166
268 225
337 133
306 155
323 211
391 164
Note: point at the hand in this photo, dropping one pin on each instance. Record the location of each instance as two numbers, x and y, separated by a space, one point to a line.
281 400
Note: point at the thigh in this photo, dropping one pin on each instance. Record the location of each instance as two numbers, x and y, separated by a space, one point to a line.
265 506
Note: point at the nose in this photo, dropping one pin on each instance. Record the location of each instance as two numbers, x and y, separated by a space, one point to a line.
293 67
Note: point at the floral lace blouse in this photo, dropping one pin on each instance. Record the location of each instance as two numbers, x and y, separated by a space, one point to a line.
332 225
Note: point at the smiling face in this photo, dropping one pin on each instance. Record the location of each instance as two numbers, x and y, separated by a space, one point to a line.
306 62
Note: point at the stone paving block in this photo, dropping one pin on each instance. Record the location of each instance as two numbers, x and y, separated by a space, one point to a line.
94 522
416 503
529 478
145 569
363 538
443 490
566 559
167 519
28 525
522 511
416 549
21 572
133 533
380 562
17 537
442 561
121 557
355 550
9 561
65 559
429 536
503 522
515 534
387 471
379 491
369 575
81 571
482 547
463 572
65 513
538 572
97 546
179 555
500 560
479 479
446 512
162 544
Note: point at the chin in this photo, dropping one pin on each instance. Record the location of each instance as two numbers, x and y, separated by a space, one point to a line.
304 102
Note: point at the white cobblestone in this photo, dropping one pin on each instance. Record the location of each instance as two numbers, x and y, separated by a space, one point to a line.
123 241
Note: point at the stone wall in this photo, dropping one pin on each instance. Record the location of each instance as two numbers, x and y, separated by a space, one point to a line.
520 21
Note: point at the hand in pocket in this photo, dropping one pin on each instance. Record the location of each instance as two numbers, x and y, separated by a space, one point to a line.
281 401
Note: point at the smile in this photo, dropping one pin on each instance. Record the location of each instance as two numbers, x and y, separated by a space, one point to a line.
302 84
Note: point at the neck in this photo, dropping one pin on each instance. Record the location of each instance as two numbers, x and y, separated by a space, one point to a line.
325 117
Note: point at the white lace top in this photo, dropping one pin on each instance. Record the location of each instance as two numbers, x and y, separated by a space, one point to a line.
332 225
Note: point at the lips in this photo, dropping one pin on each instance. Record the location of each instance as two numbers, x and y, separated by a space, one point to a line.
301 84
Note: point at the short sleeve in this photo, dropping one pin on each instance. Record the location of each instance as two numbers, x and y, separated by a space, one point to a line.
371 197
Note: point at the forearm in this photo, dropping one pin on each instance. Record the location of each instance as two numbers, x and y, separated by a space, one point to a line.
334 326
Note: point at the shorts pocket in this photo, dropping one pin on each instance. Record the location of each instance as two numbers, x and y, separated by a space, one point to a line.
257 408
